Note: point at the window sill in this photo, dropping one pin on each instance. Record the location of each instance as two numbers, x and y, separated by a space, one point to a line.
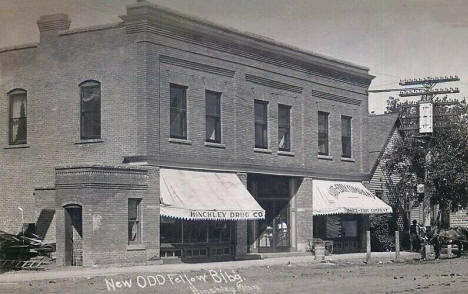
215 145
262 150
286 153
89 141
17 146
326 157
348 159
180 141
136 247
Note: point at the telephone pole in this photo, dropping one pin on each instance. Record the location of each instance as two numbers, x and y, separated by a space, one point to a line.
420 118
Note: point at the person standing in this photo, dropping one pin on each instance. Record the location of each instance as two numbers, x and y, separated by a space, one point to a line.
415 237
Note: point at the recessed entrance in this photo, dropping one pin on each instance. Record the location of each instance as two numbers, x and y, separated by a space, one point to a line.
73 235
272 193
274 229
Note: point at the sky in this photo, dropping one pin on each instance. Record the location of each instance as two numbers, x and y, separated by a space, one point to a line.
395 39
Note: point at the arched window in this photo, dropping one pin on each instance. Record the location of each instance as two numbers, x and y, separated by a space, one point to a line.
18 117
90 96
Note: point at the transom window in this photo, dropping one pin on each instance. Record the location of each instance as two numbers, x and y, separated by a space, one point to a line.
178 116
261 124
18 117
284 133
90 92
346 136
134 221
213 116
323 133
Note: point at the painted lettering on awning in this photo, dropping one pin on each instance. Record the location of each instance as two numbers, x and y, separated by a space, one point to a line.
336 189
209 214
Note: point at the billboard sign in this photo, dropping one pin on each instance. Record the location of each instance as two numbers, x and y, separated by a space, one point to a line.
425 118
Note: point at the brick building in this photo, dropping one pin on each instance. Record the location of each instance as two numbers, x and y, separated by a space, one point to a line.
196 139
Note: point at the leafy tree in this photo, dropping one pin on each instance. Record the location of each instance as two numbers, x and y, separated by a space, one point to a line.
393 105
440 162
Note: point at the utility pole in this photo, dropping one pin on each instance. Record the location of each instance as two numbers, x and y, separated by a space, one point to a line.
420 118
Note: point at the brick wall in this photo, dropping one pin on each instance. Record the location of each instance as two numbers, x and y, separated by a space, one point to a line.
103 193
45 213
304 217
51 73
135 61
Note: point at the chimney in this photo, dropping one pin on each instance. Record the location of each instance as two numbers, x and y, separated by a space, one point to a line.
53 23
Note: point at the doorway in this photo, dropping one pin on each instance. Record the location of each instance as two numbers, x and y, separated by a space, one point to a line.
274 230
73 235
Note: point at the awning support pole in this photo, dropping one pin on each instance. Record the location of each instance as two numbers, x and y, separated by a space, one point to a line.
368 251
397 246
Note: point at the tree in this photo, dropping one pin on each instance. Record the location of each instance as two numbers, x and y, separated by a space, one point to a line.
393 105
440 162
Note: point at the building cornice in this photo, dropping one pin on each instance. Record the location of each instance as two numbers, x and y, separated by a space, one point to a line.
197 66
335 97
272 84
148 18
19 47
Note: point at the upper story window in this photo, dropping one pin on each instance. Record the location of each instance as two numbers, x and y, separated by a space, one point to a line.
261 124
346 136
213 116
18 117
134 221
284 127
323 133
178 119
90 93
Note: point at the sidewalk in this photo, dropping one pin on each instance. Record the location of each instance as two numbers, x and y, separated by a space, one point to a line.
84 272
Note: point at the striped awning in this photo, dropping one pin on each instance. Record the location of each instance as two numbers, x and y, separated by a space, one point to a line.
333 197
201 195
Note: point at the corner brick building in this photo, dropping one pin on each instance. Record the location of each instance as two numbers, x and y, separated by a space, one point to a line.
100 126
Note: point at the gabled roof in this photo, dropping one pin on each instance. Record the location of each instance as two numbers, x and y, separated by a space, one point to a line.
380 128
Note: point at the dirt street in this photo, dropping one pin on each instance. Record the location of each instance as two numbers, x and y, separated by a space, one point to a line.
444 276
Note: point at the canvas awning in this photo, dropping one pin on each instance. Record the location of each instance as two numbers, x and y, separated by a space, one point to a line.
201 195
333 197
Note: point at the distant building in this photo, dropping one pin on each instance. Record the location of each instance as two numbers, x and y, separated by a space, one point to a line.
165 136
383 131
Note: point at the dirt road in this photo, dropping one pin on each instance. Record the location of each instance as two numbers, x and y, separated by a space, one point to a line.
444 276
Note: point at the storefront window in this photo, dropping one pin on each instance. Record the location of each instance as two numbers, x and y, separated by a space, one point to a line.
194 231
171 230
219 231
350 228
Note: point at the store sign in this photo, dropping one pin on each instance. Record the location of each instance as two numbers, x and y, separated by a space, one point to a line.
223 214
420 188
336 189
425 118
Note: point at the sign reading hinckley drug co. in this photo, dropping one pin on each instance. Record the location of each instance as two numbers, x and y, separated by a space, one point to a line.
226 214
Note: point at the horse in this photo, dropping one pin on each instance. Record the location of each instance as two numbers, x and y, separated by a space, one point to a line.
455 235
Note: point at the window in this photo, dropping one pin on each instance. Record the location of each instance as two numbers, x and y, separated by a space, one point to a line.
213 116
284 135
346 136
178 119
134 221
90 92
322 133
261 127
18 117
379 194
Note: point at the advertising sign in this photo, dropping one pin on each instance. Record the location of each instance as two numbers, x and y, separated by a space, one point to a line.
425 118
420 188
